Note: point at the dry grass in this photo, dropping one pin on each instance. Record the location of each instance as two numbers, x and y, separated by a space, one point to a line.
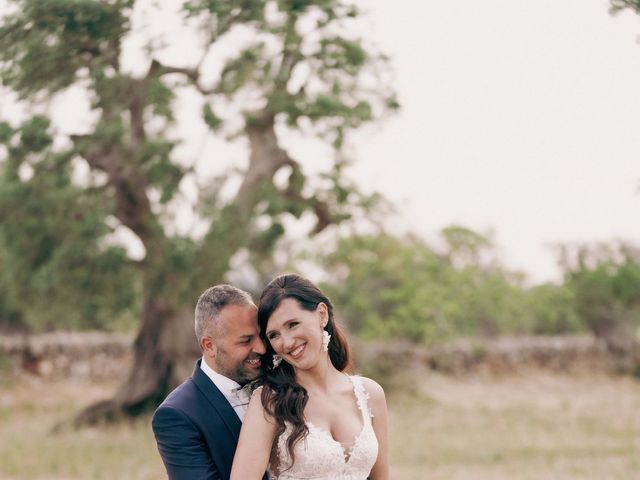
534 426
29 409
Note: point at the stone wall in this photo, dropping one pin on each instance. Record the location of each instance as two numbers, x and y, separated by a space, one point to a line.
497 356
97 356
81 355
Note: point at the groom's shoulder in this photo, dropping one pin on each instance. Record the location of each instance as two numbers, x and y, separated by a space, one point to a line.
185 392
178 404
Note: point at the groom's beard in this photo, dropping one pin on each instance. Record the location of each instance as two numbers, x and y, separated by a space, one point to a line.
235 369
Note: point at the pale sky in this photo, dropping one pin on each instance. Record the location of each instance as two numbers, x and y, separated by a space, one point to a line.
518 116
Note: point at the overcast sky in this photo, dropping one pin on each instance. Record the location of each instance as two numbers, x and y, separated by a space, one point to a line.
519 116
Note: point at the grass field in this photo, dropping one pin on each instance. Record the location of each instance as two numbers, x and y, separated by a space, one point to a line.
534 426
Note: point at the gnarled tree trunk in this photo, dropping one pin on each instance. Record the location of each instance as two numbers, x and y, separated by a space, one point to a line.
164 353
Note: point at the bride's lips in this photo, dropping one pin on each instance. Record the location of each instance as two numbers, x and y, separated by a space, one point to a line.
297 352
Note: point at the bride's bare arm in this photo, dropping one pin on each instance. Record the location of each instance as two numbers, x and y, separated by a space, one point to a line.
378 407
254 446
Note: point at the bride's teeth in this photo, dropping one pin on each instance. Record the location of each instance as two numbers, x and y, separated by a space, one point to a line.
297 350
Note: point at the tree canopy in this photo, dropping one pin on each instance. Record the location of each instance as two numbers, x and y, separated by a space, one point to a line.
261 70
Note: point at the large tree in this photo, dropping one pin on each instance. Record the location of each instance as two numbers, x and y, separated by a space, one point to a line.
264 69
617 5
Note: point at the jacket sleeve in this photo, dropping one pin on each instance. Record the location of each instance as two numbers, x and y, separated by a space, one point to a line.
182 447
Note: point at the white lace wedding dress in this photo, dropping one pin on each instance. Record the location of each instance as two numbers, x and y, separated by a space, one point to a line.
320 457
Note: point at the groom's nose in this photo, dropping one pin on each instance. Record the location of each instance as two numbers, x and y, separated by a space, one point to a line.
258 346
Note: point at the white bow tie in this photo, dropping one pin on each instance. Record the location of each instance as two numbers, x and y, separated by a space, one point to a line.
242 394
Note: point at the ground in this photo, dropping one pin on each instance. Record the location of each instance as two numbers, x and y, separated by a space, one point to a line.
527 426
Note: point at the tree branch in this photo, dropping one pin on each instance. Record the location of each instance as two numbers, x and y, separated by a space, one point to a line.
133 208
157 69
291 55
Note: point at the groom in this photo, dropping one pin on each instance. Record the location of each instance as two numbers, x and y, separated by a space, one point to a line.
198 424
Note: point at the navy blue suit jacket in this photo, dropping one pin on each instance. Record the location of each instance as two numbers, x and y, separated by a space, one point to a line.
196 430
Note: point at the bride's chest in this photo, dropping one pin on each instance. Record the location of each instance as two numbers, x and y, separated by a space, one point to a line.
341 418
319 454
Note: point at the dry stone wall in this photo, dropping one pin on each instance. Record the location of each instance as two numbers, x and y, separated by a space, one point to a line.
82 355
97 356
496 356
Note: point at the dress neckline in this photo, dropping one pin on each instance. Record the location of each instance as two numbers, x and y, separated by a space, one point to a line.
347 453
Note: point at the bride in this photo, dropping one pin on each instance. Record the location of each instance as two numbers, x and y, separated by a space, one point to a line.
309 419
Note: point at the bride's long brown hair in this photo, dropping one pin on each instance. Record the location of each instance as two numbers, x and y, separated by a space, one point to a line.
282 396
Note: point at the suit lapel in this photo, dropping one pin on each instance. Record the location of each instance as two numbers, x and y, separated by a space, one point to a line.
217 401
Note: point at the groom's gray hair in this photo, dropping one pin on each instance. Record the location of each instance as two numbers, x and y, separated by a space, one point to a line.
211 303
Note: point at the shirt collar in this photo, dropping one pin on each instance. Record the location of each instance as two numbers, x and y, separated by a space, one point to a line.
224 384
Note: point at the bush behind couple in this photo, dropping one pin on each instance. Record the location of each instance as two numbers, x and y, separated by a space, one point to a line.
271 398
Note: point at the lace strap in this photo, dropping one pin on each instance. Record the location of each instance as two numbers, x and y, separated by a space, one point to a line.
361 398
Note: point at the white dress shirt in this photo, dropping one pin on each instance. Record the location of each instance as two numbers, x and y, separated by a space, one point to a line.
232 390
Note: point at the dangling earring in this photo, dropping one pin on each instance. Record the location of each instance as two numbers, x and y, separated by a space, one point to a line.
325 340
276 360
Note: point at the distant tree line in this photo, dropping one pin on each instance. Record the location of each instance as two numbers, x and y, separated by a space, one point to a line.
401 287
398 286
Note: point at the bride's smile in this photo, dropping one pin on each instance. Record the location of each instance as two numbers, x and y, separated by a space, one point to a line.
296 353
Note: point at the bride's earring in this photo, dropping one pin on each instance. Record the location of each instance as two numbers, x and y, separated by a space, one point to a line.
325 340
276 360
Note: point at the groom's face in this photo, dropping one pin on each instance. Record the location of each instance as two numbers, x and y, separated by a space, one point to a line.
238 347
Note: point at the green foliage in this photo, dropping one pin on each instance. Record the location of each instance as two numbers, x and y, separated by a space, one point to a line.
210 118
242 70
342 54
550 309
464 245
605 281
227 13
63 266
617 5
57 270
160 97
33 134
45 47
399 287
5 132
160 171
314 37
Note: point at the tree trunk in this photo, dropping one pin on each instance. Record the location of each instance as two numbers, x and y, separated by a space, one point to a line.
166 347
164 353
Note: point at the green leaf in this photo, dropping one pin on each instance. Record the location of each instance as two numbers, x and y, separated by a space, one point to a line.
6 132
33 133
210 118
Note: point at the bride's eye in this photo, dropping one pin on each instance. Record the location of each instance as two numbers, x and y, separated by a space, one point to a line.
272 336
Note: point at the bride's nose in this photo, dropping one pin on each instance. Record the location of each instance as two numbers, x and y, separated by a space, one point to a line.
288 342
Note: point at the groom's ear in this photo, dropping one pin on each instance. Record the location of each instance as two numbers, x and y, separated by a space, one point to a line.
208 346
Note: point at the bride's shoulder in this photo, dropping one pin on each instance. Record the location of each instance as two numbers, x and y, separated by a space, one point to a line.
257 391
257 403
375 398
373 389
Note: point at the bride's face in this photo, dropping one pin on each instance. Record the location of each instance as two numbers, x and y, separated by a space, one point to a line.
296 334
